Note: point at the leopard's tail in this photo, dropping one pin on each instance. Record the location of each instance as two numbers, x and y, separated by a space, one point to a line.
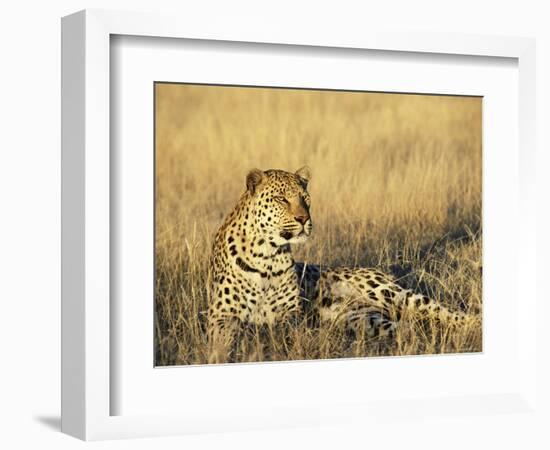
433 309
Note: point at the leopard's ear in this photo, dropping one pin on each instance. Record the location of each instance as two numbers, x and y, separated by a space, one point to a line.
304 173
254 179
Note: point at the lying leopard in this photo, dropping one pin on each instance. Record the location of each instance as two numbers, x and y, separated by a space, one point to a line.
255 279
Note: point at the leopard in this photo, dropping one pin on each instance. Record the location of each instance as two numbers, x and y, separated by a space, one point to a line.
256 281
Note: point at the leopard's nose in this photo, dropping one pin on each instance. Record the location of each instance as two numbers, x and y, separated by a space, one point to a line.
301 219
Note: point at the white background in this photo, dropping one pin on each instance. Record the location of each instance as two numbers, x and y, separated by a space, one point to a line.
30 187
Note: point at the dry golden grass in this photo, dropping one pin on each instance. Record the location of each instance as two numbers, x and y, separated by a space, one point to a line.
396 184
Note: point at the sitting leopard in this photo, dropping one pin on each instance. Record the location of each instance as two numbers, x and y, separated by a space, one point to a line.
255 279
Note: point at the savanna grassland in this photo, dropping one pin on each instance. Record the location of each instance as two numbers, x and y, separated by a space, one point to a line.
396 185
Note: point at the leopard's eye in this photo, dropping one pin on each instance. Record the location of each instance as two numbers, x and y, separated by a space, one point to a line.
280 199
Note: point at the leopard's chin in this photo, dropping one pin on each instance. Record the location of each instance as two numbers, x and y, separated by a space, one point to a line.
296 237
300 239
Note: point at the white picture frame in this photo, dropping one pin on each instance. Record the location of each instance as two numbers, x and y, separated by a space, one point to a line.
87 386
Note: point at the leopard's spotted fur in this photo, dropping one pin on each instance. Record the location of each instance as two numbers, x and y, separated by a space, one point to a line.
256 281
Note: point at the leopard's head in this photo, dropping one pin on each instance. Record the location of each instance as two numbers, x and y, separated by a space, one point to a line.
280 204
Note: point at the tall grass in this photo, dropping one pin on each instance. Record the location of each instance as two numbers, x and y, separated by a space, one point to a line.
396 184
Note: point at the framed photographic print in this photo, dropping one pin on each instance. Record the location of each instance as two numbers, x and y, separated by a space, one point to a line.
254 218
